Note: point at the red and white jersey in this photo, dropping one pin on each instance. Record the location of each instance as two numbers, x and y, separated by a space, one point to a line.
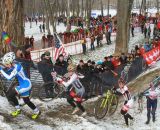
125 92
153 93
76 84
127 97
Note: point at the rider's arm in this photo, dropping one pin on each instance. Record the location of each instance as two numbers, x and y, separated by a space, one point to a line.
70 81
13 73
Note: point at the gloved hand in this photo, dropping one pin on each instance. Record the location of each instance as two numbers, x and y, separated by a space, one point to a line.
59 80
113 90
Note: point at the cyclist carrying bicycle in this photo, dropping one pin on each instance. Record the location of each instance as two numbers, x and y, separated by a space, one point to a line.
23 89
74 89
123 89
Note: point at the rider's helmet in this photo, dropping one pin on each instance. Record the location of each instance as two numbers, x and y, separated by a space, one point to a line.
8 58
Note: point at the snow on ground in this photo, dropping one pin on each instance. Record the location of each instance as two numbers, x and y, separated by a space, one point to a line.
108 50
35 31
61 120
56 115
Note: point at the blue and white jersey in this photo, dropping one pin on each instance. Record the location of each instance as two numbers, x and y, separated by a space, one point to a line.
18 72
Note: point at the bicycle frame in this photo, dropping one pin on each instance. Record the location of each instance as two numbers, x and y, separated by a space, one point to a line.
107 95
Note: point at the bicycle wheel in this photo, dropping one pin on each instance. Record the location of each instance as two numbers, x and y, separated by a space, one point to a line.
101 108
48 91
112 105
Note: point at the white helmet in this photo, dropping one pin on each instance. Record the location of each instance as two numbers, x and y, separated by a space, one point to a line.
8 58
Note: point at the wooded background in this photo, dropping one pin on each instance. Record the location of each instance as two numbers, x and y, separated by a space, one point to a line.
12 13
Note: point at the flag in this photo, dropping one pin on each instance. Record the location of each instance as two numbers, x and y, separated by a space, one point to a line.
6 38
59 48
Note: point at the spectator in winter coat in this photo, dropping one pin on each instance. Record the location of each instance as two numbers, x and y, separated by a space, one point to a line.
147 46
83 42
27 55
92 42
45 67
115 61
40 28
88 77
43 27
80 67
107 64
123 58
132 30
27 64
32 42
61 65
44 40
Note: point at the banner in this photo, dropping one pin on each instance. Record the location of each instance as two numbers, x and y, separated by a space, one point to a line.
152 56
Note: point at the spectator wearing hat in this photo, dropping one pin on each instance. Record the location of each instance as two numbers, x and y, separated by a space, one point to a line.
80 67
123 58
61 65
107 64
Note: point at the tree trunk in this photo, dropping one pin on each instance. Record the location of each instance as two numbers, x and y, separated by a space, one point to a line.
82 10
102 8
88 7
50 13
108 7
68 15
123 25
157 3
11 19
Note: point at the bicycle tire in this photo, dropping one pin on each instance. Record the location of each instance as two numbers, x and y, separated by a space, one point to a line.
46 97
112 105
100 109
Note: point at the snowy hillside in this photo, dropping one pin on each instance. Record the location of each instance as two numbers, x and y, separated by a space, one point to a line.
56 115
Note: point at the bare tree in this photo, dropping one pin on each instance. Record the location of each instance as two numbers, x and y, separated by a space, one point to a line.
108 7
157 2
123 25
102 8
11 19
68 15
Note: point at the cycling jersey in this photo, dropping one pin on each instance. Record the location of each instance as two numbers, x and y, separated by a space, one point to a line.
127 96
24 83
152 94
76 85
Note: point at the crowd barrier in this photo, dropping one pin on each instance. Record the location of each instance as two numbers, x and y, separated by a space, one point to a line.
137 67
71 48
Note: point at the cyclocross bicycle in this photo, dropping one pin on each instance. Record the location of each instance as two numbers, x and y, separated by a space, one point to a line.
106 105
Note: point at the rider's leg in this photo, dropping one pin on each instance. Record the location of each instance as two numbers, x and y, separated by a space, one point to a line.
125 116
148 110
30 104
11 95
71 101
154 107
79 105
